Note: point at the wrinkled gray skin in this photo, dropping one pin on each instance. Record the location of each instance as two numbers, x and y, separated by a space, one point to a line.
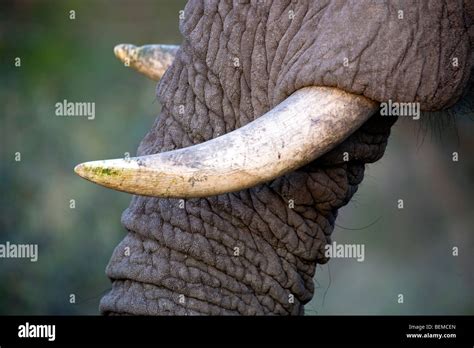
190 251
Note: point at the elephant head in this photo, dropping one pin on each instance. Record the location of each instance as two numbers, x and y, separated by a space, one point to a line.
269 116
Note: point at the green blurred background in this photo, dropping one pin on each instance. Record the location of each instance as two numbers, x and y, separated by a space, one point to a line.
408 251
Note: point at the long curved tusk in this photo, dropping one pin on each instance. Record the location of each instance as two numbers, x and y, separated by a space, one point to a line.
304 126
150 60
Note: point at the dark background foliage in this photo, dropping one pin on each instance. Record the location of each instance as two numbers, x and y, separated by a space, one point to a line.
408 251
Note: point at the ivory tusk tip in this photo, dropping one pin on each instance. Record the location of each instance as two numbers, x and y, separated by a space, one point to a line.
85 170
95 171
77 169
150 60
109 173
123 51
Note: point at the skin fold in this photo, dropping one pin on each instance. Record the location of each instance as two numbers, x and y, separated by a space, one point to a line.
255 251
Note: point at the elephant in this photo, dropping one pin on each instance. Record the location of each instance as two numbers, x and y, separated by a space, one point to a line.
270 111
